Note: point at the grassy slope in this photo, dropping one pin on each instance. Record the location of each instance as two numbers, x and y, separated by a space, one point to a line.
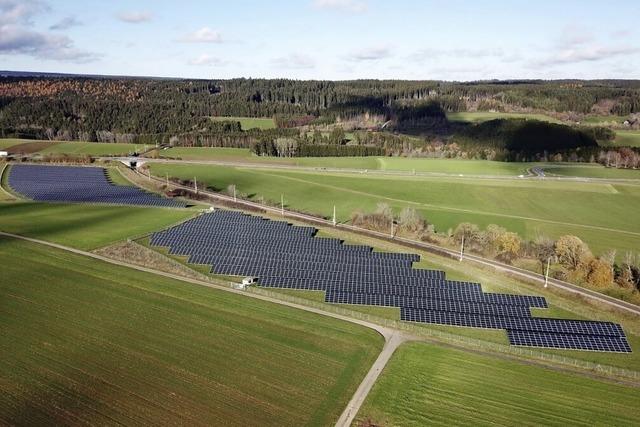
93 148
86 342
84 226
526 207
250 122
429 385
592 171
475 167
6 143
483 116
628 138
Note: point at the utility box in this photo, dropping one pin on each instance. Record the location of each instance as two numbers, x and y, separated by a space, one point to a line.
248 281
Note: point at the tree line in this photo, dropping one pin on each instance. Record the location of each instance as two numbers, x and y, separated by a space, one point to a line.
569 258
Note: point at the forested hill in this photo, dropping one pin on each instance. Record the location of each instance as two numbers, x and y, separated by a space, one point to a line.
74 107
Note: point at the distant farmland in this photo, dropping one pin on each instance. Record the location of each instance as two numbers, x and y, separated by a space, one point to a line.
87 342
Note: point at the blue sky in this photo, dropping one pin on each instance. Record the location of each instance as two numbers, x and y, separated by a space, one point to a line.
324 39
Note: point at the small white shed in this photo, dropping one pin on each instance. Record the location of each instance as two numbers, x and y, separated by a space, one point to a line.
246 282
4 153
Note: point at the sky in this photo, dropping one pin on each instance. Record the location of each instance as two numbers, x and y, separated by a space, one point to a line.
324 39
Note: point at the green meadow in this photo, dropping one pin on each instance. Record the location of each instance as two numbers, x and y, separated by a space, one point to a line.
430 385
86 342
603 214
85 226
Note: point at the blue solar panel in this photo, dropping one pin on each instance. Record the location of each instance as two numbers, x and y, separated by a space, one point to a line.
75 184
291 257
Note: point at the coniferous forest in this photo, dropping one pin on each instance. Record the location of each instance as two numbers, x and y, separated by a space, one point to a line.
403 115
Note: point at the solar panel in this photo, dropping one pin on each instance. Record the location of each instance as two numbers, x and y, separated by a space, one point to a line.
566 341
290 257
75 184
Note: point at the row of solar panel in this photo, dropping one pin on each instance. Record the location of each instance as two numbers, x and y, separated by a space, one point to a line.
387 272
205 255
284 250
342 277
535 324
459 306
566 341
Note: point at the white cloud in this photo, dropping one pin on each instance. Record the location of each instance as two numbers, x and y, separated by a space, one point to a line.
17 40
459 53
135 17
206 59
294 61
590 53
369 54
203 35
20 11
351 6
65 23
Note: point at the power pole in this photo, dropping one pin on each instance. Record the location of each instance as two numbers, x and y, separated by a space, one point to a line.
546 275
462 248
167 176
234 192
282 204
392 228
334 215
195 184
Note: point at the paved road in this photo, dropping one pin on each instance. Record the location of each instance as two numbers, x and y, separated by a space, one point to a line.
393 338
506 268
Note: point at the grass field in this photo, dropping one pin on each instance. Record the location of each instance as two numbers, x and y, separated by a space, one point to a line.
89 148
250 122
600 213
85 342
483 116
627 138
591 171
94 148
429 385
85 226
6 143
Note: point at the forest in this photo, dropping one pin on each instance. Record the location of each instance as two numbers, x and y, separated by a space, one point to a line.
179 112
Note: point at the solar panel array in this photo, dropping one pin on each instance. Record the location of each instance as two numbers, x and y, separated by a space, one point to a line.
285 256
74 184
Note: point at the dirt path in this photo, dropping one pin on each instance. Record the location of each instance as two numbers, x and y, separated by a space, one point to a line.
365 387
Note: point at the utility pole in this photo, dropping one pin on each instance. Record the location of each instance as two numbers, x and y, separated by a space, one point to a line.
462 248
167 176
282 204
195 184
234 192
334 215
392 228
546 275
